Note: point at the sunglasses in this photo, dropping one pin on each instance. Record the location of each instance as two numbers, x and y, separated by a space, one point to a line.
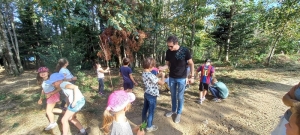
171 46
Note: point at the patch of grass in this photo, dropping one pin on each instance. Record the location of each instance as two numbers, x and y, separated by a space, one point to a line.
114 81
3 96
93 110
26 103
35 97
15 125
164 104
15 97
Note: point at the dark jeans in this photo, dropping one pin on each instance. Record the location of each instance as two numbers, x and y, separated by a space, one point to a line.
101 85
214 91
149 106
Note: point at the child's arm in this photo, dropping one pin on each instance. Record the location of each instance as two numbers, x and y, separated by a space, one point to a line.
53 92
288 98
132 79
75 91
162 80
41 97
104 71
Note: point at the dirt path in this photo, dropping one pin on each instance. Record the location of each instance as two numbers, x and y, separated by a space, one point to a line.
252 108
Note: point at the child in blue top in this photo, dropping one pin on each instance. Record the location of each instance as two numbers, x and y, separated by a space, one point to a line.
151 93
126 73
219 90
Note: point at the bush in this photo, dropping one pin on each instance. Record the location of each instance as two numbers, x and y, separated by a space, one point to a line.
51 54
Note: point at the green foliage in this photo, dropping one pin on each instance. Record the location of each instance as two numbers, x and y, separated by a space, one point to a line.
51 54
85 82
3 96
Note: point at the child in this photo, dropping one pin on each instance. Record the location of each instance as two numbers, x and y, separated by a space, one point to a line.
51 94
100 73
126 73
61 67
114 119
206 73
151 93
293 126
289 99
219 90
76 100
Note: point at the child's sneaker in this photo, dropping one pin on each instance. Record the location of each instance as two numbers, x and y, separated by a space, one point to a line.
51 126
152 128
200 101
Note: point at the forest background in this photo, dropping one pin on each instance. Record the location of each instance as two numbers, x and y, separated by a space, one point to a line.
239 33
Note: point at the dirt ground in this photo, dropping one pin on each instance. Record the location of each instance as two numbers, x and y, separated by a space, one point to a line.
253 107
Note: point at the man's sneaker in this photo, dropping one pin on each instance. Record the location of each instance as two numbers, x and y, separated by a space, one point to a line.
101 94
169 114
152 128
51 126
177 119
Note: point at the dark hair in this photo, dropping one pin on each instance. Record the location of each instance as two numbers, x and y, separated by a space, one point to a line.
173 39
149 63
126 61
207 60
61 62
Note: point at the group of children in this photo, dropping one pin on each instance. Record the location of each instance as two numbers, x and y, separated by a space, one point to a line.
60 85
120 101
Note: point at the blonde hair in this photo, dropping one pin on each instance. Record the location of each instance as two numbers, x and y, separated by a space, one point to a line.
109 117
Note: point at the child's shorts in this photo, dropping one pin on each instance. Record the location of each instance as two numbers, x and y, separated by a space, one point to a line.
79 104
54 98
280 128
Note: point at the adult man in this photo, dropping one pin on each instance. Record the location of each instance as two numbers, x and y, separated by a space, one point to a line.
176 58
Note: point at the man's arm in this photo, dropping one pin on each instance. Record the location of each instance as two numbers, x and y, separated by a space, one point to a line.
191 64
166 66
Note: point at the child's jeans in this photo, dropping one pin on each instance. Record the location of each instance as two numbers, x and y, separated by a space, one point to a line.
101 85
214 91
149 106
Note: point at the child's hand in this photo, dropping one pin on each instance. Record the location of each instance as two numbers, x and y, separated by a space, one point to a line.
135 83
73 104
48 95
139 132
40 101
74 78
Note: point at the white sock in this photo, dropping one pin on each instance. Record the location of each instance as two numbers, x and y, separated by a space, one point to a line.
53 123
82 130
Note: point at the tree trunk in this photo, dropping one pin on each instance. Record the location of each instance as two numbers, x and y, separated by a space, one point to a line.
11 68
232 10
17 49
